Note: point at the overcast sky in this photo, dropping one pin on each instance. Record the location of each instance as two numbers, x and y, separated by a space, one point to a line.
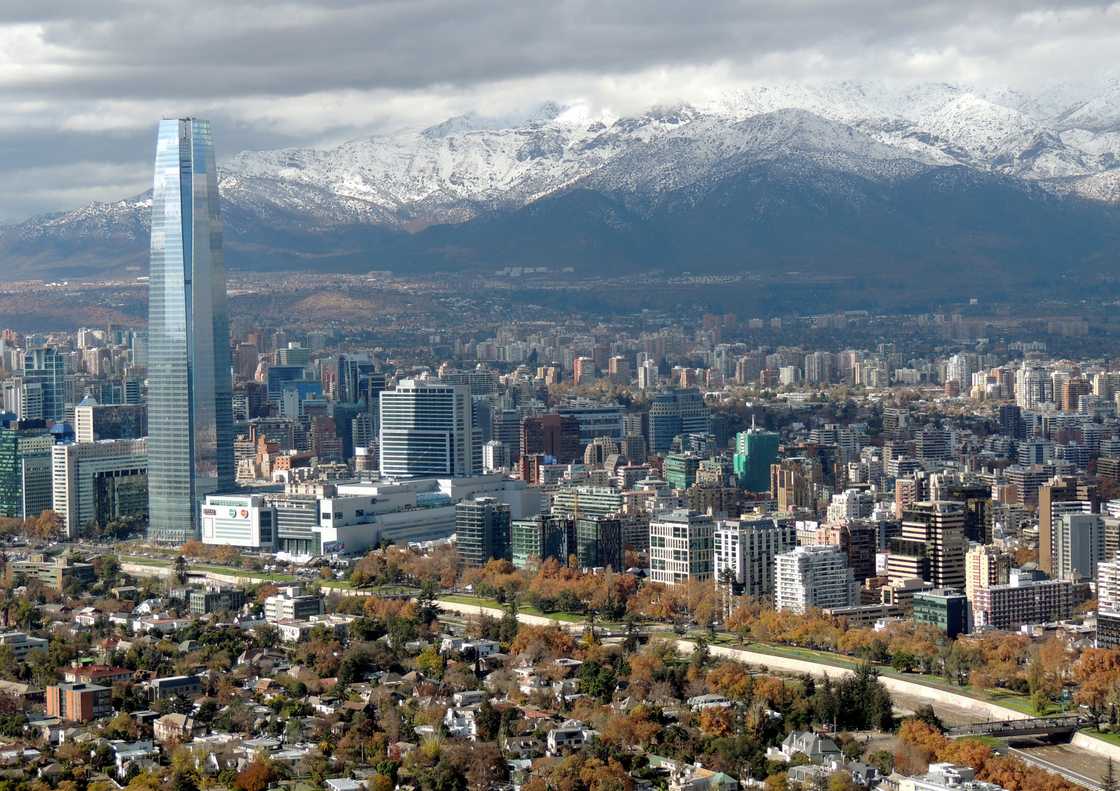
82 83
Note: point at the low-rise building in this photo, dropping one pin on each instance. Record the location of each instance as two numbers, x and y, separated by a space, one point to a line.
79 702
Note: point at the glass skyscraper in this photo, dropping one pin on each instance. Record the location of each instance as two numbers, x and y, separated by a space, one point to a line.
190 419
45 368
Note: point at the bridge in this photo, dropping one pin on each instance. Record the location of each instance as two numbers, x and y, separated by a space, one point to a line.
1011 729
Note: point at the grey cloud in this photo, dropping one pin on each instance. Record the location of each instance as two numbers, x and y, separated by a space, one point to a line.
81 60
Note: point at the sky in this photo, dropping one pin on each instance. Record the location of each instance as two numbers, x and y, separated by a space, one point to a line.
83 84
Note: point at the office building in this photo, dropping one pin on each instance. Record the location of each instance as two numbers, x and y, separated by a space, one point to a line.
1022 602
1078 545
25 469
190 413
746 549
938 526
586 501
1059 495
540 538
243 521
945 609
599 542
21 644
58 573
555 436
44 372
859 541
676 412
681 547
985 565
100 482
755 451
977 499
795 483
813 577
482 531
595 419
216 599
680 469
427 430
79 702
495 456
93 421
290 603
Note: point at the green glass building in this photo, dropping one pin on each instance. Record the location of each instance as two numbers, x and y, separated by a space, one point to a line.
755 451
680 469
946 608
25 470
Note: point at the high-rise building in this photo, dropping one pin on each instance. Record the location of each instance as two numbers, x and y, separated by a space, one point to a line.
985 565
931 545
94 421
553 435
680 469
542 537
813 577
747 548
681 547
977 499
482 530
190 413
1023 602
99 482
599 542
755 451
945 609
427 430
676 412
794 483
45 369
1060 495
859 541
1078 541
25 469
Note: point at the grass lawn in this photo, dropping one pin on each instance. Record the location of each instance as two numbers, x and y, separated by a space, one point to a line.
1104 736
527 609
269 576
144 561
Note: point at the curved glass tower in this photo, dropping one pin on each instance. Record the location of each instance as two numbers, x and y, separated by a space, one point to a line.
190 419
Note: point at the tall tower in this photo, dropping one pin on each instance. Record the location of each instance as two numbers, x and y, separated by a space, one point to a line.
190 418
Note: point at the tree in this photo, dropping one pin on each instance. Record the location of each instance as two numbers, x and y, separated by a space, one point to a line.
255 777
181 569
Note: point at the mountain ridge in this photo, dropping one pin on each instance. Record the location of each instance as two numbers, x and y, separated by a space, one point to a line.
406 197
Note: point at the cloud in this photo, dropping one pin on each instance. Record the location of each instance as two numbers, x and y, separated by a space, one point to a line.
81 84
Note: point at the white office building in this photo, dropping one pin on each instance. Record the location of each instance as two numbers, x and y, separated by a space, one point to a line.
747 548
681 547
427 430
1078 546
813 577
99 481
245 521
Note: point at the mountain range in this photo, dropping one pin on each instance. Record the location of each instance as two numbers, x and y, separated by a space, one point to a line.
906 184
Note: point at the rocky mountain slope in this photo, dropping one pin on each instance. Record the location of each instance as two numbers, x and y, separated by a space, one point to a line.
859 161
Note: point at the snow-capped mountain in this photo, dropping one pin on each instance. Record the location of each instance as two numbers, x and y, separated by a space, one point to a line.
310 203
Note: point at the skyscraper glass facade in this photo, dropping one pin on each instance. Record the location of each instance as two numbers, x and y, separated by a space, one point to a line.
190 423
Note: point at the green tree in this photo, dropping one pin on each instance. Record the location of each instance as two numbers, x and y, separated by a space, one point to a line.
181 569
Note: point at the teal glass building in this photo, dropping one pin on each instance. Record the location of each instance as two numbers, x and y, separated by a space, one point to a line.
190 419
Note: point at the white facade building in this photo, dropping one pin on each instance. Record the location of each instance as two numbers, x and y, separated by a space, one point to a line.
747 548
813 577
245 521
681 547
427 430
99 481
